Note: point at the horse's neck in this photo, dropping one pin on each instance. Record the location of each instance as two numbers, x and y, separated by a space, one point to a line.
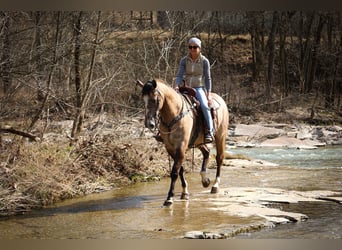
172 105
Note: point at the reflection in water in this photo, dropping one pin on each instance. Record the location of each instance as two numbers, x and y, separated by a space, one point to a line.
112 215
137 212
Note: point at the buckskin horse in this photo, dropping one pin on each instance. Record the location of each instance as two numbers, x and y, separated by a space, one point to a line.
181 128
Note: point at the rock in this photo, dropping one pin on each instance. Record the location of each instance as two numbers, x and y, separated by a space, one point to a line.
282 135
248 163
291 134
291 143
259 202
256 131
335 128
253 201
304 133
203 235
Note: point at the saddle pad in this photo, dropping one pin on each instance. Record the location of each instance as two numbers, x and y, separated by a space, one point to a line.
215 104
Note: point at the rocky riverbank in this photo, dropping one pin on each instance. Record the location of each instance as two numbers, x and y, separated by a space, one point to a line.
260 191
111 153
299 136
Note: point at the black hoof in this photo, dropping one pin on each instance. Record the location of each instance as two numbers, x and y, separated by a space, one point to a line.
214 190
184 196
206 182
168 203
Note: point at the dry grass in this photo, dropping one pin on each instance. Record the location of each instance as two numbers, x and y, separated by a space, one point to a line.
33 175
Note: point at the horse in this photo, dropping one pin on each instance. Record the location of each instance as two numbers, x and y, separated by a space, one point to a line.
180 128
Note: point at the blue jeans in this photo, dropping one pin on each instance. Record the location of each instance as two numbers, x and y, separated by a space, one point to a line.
201 96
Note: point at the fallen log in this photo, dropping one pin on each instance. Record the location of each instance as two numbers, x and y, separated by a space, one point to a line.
21 133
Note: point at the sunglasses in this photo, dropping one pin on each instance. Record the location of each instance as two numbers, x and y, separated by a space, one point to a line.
193 47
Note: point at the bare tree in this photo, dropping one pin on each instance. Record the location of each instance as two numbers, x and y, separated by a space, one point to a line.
315 51
256 30
37 54
83 91
306 52
270 46
51 73
5 64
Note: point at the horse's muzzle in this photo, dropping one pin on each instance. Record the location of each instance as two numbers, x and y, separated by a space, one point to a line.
150 124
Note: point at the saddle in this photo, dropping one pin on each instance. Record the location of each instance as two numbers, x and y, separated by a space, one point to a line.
191 94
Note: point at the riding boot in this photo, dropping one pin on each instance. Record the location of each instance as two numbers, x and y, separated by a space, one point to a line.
208 137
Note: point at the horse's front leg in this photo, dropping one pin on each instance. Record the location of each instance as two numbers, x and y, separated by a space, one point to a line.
177 165
185 193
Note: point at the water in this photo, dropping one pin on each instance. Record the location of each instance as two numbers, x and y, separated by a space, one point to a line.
325 222
132 213
136 211
320 158
325 219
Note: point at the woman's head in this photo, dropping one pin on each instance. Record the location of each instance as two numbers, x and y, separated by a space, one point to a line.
194 41
194 47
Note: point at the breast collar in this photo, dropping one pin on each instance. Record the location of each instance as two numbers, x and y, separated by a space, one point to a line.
177 118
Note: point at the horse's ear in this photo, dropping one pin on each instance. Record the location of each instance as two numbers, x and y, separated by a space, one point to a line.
154 83
139 83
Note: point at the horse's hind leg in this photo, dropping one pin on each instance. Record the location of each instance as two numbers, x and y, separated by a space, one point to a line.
220 149
205 152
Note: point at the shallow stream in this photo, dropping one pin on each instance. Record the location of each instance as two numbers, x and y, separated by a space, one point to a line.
137 212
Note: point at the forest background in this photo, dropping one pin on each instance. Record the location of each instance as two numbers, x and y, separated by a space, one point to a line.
74 65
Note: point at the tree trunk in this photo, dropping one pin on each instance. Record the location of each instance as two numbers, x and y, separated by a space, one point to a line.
315 50
331 88
37 51
53 66
305 60
283 55
77 54
257 39
86 90
270 46
78 86
5 68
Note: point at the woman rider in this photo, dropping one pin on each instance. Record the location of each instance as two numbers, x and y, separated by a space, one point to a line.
195 70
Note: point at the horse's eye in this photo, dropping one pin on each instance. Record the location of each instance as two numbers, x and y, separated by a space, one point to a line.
152 103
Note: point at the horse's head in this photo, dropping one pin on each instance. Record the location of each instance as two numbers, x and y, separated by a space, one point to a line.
151 97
